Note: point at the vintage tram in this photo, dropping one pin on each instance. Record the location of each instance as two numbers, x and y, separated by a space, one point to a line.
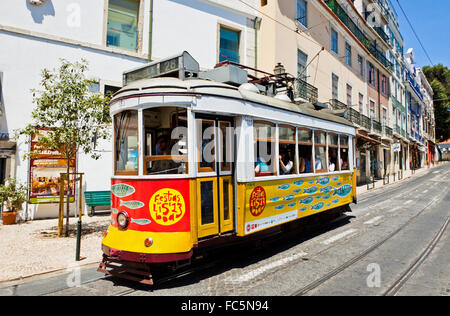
202 156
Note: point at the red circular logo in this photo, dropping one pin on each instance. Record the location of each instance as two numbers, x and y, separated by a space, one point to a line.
257 201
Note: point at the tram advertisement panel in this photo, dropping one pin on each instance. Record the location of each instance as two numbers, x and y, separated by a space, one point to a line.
155 206
45 169
272 203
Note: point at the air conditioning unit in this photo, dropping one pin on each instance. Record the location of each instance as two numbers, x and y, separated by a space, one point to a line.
36 2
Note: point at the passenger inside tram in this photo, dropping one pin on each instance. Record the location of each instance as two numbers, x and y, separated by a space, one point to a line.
305 154
286 163
332 159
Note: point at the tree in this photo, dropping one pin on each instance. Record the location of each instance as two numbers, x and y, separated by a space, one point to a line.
71 113
439 77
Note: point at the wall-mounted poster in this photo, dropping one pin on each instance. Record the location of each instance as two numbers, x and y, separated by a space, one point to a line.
45 169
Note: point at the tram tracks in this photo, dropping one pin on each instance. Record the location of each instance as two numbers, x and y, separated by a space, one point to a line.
398 284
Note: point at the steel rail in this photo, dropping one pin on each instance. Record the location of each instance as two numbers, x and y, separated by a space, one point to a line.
400 282
359 257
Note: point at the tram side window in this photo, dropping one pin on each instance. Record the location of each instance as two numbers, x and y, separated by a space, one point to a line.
333 148
320 159
344 152
206 142
165 141
287 144
126 143
264 136
305 150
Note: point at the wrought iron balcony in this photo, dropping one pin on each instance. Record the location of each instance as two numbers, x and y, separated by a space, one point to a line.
338 105
343 16
383 34
387 131
376 126
306 91
366 122
353 116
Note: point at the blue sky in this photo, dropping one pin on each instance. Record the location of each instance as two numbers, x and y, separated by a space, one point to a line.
431 21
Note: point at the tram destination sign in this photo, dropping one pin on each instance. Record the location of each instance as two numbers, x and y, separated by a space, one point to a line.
176 66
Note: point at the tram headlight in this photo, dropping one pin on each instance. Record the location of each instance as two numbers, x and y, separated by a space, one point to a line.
148 242
122 220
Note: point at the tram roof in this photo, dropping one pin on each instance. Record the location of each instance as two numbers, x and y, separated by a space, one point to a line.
172 85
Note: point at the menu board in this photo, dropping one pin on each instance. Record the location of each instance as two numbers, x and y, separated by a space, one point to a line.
46 167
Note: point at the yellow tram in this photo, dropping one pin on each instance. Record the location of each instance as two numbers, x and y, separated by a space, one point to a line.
211 156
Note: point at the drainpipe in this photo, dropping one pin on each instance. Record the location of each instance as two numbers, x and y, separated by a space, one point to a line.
256 25
150 33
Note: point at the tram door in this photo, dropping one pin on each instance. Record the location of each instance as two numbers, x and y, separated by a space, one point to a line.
215 176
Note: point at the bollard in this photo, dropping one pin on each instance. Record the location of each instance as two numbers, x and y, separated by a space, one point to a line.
77 254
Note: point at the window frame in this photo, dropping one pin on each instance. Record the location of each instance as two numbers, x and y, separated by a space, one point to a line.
332 32
294 142
221 26
140 26
305 17
326 151
274 140
126 172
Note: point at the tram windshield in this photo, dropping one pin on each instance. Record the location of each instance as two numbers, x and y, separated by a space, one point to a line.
126 143
165 141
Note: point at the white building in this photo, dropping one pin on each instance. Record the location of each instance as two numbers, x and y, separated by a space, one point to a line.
113 36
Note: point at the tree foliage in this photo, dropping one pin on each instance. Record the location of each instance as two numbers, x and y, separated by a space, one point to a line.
439 77
71 113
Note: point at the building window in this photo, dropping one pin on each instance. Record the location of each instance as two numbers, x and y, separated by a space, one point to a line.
334 87
348 54
372 109
361 66
123 24
302 12
302 62
349 95
361 103
371 75
229 45
383 85
334 41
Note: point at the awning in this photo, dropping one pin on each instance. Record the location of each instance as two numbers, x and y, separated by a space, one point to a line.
369 139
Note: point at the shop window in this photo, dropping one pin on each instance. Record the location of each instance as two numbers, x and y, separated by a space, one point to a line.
344 151
287 143
123 24
333 147
126 143
320 148
305 150
264 136
165 141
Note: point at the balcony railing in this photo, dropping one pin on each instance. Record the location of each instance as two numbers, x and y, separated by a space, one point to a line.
414 85
376 126
343 16
306 91
338 105
387 131
383 34
357 118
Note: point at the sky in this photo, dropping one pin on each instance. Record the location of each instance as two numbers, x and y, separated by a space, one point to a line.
431 21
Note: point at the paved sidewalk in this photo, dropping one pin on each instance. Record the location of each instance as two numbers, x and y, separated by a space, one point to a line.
32 248
362 190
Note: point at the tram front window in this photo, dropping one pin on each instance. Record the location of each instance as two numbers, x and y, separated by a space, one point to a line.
126 151
165 141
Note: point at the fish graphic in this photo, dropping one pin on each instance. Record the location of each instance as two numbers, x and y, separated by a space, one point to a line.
275 199
335 178
279 207
326 197
311 182
303 209
141 221
299 182
122 190
323 181
114 211
317 206
329 204
339 183
343 191
326 189
318 197
307 201
298 191
292 204
284 186
134 205
335 201
311 190
289 198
